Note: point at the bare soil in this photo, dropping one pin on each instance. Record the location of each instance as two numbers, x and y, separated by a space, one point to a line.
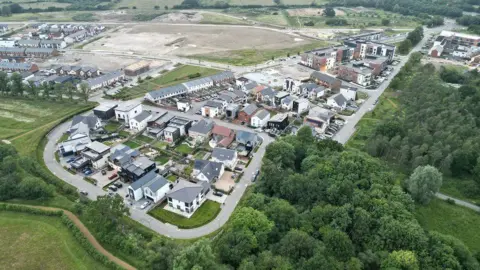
310 12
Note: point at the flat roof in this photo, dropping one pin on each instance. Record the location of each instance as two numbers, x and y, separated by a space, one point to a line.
462 35
138 65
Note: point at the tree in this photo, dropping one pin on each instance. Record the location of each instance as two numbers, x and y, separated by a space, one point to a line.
281 153
385 22
251 220
163 254
235 245
165 7
424 183
297 245
85 91
402 260
339 244
46 88
33 188
156 7
405 46
198 256
17 84
59 90
6 11
4 86
329 12
277 2
32 89
70 90
105 213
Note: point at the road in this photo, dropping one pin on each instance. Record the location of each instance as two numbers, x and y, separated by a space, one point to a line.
459 202
141 215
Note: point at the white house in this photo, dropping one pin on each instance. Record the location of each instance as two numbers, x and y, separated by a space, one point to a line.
227 157
151 186
207 171
260 118
186 196
126 112
287 103
198 84
140 121
183 106
337 101
350 93
316 93
212 109
301 105
97 153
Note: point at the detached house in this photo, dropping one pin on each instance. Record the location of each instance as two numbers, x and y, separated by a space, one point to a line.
278 121
319 118
97 153
223 136
127 112
247 139
201 131
287 103
246 114
91 122
150 186
267 96
212 109
337 101
350 93
135 169
260 119
227 157
207 171
121 155
187 197
140 121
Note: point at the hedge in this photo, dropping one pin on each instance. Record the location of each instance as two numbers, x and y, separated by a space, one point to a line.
29 210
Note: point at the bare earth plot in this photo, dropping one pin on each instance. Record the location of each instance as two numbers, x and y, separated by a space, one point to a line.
102 62
191 40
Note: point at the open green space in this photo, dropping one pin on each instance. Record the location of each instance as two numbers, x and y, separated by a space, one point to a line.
144 139
112 126
162 159
40 242
172 178
179 75
45 16
132 144
203 215
184 149
160 144
200 154
218 18
249 57
451 219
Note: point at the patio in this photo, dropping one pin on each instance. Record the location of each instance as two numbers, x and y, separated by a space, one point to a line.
226 182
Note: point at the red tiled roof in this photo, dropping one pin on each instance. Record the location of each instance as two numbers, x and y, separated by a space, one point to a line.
221 130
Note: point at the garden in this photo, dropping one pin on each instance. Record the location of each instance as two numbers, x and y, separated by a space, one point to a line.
203 215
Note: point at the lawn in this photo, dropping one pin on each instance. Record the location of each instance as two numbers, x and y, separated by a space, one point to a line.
144 139
200 154
172 178
40 242
184 149
112 126
64 137
132 144
249 57
206 213
24 122
162 159
178 75
160 144
450 219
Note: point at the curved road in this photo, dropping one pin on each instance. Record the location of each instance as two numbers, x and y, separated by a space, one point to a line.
141 215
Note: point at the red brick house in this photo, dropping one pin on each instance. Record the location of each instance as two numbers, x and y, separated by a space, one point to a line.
245 115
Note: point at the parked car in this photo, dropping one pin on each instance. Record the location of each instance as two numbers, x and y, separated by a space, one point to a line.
118 184
84 193
113 176
145 205
218 193
113 188
88 172
70 160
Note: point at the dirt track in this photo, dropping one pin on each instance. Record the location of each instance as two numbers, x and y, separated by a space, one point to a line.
88 235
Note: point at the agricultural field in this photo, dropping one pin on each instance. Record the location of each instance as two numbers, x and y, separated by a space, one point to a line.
40 242
451 219
24 122
218 18
147 4
44 5
43 16
264 15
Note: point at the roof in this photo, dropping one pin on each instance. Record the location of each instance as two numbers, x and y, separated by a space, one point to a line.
323 77
262 114
99 80
19 66
51 41
221 130
321 113
232 107
39 50
138 65
125 107
226 97
151 180
339 99
287 100
278 117
318 89
202 127
123 153
197 82
223 154
282 94
268 92
251 85
29 41
461 35
185 191
302 100
77 34
139 165
250 109
179 88
98 147
245 137
214 104
90 120
222 76
105 107
142 116
12 50
210 169
309 86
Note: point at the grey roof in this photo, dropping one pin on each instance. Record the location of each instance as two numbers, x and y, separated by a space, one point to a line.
90 120
324 77
250 109
101 79
16 66
210 169
39 50
28 42
186 191
268 92
197 82
214 104
139 165
123 154
98 147
151 180
223 154
232 107
340 99
126 107
321 113
279 117
251 85
104 107
176 89
287 100
77 34
245 137
199 164
262 114
12 50
222 76
309 86
51 41
319 89
225 97
202 127
142 116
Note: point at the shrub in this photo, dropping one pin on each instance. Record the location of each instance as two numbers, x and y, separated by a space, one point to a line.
450 201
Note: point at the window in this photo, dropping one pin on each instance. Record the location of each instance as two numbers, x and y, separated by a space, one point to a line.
170 204
169 199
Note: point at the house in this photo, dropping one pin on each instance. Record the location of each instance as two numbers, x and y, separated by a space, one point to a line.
267 96
337 101
184 105
300 106
171 134
121 155
326 80
151 186
287 103
248 87
137 68
198 84
183 124
76 37
245 115
278 121
236 96
3 27
53 43
212 109
306 88
91 122
316 93
163 93
291 85
40 52
260 119
280 96
12 52
97 153
257 89
105 111
208 171
201 131
75 144
223 136
7 43
247 139
356 72
319 118
350 93
139 122
240 82
223 78
126 112
89 72
187 197
104 80
227 157
29 43
136 168
231 112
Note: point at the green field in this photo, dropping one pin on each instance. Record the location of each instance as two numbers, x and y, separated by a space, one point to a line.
184 149
44 5
45 16
40 242
450 219
176 76
218 18
203 215
162 159
252 56
132 144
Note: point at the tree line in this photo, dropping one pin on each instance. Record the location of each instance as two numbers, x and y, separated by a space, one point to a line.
413 38
473 23
14 85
